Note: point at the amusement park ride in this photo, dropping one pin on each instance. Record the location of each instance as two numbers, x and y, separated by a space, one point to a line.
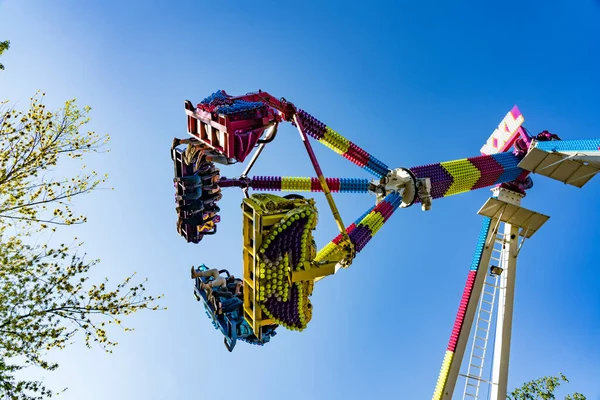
281 263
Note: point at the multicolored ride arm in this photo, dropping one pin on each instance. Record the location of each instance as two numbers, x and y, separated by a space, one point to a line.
336 142
447 178
298 184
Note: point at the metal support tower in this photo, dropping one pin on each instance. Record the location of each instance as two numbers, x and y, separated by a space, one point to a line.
504 314
486 308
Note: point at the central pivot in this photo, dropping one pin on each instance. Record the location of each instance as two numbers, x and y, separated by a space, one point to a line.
404 182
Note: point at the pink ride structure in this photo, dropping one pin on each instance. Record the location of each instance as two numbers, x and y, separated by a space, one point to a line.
237 126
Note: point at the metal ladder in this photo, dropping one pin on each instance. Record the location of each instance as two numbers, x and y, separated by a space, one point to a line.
483 322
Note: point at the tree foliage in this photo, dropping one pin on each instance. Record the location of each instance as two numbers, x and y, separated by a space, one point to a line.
3 47
542 389
30 146
46 297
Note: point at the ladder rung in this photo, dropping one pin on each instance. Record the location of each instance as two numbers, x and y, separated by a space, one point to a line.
473 377
476 366
476 378
479 347
485 320
490 285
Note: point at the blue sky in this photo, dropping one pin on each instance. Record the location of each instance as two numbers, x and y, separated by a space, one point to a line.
413 83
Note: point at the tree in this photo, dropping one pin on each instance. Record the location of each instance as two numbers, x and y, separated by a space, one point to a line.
4 46
46 298
542 388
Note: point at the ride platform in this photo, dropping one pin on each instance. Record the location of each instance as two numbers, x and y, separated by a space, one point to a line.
573 162
529 221
228 125
231 324
193 233
277 242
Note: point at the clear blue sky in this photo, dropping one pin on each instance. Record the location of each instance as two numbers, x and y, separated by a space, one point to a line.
411 82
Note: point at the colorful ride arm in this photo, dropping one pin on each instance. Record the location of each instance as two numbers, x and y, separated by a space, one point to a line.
446 179
298 184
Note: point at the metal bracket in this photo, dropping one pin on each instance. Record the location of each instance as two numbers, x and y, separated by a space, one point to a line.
495 231
424 193
261 146
400 180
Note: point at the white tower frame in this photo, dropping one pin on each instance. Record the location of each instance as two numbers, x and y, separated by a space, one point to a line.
504 315
503 208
